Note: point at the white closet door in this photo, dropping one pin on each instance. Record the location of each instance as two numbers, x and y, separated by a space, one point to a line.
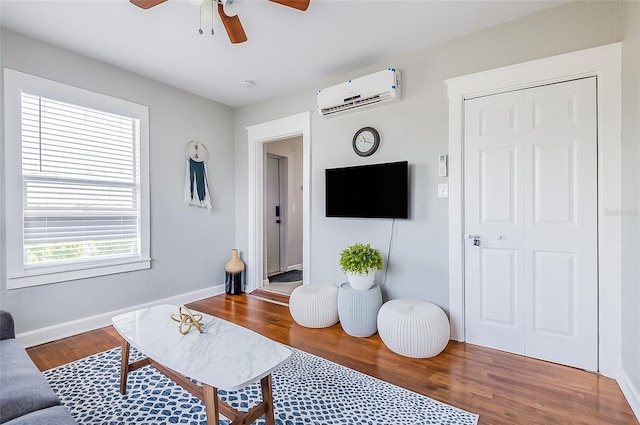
494 270
561 224
531 196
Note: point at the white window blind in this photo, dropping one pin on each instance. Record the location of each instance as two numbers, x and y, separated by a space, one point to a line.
81 183
76 169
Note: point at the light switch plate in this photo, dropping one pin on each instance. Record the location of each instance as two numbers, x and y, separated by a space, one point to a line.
443 190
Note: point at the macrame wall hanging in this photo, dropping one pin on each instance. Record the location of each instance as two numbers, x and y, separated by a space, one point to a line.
196 184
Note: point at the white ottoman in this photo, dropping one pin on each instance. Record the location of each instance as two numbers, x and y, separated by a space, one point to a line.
314 306
413 328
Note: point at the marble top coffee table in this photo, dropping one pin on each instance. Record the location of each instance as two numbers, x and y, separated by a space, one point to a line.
224 356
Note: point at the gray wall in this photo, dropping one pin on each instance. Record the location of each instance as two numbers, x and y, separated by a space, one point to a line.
415 129
189 246
631 191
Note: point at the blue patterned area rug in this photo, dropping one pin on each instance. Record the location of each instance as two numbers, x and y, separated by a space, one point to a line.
306 390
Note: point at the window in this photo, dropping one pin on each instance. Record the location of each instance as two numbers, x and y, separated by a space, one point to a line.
77 182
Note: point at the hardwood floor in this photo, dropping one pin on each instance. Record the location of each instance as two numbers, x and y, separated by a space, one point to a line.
502 388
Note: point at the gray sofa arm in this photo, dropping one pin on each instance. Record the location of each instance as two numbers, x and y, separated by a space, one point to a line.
7 329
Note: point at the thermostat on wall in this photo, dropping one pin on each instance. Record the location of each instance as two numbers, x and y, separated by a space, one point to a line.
442 165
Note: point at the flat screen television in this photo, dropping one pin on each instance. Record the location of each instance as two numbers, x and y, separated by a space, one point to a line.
368 191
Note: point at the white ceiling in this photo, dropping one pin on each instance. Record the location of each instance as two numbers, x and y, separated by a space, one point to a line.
287 49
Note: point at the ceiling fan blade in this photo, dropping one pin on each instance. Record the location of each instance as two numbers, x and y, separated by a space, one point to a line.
146 4
296 4
233 26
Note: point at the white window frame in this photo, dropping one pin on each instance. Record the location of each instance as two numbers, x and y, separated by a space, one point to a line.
15 83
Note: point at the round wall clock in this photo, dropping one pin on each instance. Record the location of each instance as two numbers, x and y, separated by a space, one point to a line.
366 141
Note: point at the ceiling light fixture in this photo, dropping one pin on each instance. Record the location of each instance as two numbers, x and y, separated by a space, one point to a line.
246 83
232 7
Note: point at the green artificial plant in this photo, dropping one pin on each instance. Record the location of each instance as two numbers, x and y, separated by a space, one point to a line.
359 258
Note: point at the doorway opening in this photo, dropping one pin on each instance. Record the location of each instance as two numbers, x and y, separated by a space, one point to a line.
282 218
259 137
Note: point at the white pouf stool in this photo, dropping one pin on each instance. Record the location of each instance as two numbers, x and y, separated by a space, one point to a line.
413 328
314 306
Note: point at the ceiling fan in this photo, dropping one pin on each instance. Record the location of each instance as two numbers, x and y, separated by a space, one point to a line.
228 13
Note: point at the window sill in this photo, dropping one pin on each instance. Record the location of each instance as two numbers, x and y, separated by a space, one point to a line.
43 277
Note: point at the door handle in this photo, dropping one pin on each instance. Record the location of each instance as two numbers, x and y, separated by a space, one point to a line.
474 238
277 210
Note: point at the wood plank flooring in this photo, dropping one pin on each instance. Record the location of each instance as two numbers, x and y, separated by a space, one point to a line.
504 389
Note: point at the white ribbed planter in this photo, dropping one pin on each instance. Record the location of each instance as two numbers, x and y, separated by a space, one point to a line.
361 281
413 328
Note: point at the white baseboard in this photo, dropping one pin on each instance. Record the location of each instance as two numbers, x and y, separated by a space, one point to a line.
294 267
75 327
631 392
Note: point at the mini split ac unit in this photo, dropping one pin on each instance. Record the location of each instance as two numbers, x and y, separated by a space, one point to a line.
359 93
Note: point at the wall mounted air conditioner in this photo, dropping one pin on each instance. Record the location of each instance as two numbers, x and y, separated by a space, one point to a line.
359 93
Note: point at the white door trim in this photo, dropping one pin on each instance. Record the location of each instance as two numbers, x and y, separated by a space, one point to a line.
605 63
258 135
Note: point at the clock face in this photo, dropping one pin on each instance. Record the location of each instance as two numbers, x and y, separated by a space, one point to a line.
366 141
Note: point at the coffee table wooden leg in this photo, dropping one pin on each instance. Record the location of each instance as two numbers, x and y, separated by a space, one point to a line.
124 367
211 404
267 399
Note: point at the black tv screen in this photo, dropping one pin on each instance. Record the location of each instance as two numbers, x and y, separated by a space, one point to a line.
368 191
